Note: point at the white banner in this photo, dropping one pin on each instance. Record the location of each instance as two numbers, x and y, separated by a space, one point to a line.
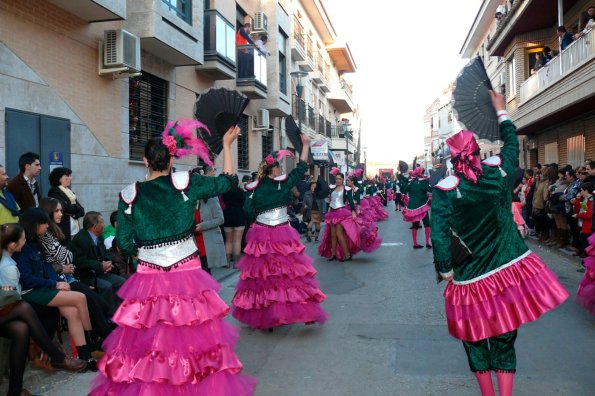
319 149
340 158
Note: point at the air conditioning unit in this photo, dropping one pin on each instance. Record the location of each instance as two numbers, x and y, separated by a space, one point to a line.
261 24
121 49
262 120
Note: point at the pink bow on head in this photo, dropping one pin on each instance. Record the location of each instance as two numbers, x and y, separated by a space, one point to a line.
464 151
334 171
418 172
269 159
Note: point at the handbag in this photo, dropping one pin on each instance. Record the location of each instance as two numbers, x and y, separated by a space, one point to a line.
8 299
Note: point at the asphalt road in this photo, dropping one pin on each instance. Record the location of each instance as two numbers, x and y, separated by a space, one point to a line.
387 335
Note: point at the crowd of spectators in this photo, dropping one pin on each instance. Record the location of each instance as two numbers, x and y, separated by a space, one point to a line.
558 204
59 271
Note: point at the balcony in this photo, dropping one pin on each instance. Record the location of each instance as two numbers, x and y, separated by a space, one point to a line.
526 16
328 129
94 10
220 47
338 140
308 63
564 88
252 72
342 58
341 98
298 47
321 75
171 34
321 127
311 118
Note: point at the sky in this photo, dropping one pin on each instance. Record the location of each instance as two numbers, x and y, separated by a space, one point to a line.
406 53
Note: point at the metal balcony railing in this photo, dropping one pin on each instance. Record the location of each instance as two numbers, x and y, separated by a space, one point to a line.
574 56
347 89
311 118
219 36
309 48
298 31
252 64
321 125
328 129
301 115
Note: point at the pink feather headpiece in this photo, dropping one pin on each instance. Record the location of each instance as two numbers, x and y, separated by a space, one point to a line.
335 171
277 156
358 172
180 139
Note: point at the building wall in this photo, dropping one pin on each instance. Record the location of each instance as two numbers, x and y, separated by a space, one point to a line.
585 126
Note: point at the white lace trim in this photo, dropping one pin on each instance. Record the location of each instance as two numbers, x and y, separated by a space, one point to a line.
168 255
492 272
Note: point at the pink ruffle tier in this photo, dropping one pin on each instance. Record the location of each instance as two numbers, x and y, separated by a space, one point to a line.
585 295
171 339
351 230
367 213
277 283
381 213
417 214
503 301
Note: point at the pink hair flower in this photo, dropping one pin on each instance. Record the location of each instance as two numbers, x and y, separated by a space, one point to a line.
171 144
269 159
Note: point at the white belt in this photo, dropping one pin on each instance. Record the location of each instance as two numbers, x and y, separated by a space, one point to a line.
168 255
273 217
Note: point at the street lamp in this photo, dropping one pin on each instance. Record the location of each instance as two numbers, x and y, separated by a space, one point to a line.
299 88
346 126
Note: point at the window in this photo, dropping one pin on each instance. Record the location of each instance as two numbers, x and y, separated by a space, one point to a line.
512 77
182 8
243 158
576 150
282 44
267 142
551 153
147 111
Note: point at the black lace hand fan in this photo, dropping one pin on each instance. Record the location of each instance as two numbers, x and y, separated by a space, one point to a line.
403 167
293 133
472 104
219 109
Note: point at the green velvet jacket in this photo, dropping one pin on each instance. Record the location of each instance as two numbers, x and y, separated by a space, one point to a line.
481 217
269 194
348 197
370 189
161 214
418 191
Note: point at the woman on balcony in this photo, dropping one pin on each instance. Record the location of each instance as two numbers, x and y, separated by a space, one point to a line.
277 284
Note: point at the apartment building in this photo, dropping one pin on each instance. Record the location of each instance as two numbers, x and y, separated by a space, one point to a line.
85 83
440 123
553 107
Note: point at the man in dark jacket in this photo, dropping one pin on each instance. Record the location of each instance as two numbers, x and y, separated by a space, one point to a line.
23 187
93 262
321 193
565 38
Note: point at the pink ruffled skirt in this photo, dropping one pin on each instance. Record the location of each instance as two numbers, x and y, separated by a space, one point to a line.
360 234
171 339
381 213
585 295
277 283
367 212
417 214
503 301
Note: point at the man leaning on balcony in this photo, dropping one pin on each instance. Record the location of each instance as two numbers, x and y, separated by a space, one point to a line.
245 55
565 38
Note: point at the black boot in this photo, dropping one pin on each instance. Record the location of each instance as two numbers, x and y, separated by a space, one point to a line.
85 355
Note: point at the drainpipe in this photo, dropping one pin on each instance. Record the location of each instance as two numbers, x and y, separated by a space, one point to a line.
560 13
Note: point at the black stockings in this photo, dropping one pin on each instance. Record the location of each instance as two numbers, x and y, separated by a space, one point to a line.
20 323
